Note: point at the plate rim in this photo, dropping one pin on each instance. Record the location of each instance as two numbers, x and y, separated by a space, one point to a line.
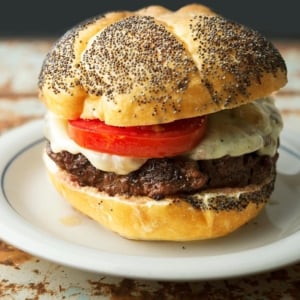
17 231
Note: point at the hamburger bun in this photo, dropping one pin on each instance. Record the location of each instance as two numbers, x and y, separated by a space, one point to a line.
151 67
155 66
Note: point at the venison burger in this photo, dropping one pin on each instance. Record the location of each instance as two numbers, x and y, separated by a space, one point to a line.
160 124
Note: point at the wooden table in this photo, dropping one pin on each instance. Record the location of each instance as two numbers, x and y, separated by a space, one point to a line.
23 276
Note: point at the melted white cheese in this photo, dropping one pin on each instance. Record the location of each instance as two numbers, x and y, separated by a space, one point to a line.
234 132
248 128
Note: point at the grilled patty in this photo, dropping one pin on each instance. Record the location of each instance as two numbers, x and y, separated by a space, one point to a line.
158 178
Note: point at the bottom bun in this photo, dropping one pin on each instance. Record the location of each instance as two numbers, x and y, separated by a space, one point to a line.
214 213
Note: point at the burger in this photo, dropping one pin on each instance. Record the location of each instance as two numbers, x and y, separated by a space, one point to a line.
161 124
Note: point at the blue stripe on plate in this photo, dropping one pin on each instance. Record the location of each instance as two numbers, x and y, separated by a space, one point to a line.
290 151
15 156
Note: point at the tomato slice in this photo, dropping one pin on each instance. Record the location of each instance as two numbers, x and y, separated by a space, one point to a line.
151 141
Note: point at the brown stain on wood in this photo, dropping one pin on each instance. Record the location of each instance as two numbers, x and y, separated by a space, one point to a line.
7 91
10 256
15 121
262 285
35 289
290 112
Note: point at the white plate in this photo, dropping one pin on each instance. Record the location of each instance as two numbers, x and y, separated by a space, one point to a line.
33 217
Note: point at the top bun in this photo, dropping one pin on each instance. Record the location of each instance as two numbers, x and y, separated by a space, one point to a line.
155 66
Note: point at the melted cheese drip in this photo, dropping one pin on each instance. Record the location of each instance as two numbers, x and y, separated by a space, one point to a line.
234 132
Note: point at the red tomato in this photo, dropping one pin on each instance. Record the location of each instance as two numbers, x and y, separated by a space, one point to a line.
151 141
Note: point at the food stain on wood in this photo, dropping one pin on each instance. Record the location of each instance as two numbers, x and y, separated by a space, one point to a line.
11 256
14 122
35 290
287 112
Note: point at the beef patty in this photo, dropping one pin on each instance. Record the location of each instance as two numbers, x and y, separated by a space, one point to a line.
162 177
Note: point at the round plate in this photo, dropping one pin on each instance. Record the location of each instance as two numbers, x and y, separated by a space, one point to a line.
34 218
